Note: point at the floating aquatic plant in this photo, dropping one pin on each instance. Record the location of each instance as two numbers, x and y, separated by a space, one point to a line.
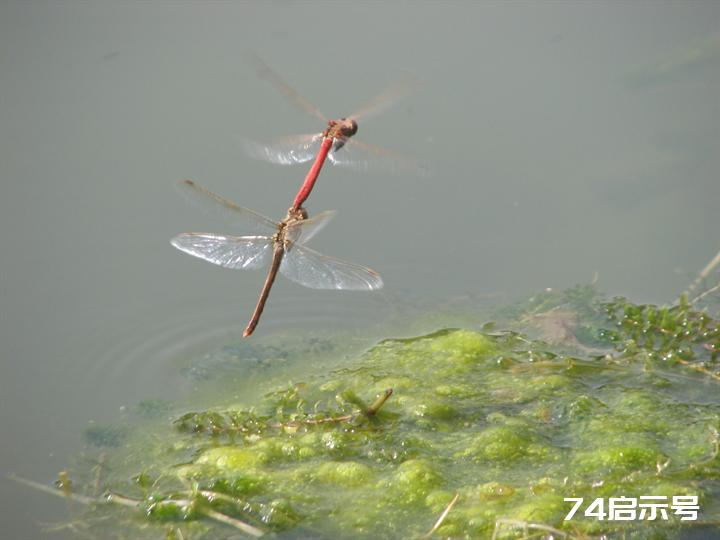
486 434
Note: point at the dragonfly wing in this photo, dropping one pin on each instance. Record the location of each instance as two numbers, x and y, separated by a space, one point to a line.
232 213
316 271
264 72
302 231
285 150
360 156
235 252
387 98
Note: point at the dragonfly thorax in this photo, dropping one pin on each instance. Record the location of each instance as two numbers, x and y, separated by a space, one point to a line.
341 129
286 233
295 214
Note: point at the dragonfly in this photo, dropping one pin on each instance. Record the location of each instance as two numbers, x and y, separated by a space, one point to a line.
279 244
338 134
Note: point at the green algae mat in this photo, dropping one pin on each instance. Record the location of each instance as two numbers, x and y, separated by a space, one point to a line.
606 413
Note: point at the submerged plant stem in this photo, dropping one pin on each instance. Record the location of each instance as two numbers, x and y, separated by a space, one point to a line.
698 368
227 520
704 273
114 498
705 293
54 491
373 409
442 516
370 411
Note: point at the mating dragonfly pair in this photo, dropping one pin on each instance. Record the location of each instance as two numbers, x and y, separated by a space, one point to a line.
282 244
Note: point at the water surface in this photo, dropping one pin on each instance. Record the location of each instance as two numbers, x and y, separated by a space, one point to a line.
568 140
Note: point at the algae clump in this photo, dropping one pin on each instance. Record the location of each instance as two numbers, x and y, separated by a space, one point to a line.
379 447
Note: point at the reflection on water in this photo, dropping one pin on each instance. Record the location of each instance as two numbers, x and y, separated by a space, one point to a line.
567 140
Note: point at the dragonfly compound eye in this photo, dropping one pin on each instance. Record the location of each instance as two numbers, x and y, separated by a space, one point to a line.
353 128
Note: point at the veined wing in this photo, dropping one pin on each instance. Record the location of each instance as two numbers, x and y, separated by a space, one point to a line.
302 231
285 150
228 251
385 99
316 271
364 157
264 72
233 214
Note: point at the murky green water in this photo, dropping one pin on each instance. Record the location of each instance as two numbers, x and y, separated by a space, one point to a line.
623 404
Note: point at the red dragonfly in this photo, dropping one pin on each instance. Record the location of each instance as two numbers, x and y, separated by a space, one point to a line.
337 135
282 244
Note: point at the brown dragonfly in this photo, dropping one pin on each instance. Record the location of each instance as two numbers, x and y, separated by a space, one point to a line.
338 134
281 244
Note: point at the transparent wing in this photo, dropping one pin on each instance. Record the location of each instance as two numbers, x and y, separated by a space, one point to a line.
316 271
264 72
385 99
302 231
364 157
213 204
237 252
285 150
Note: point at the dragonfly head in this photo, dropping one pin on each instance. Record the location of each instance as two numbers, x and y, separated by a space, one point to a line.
349 127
